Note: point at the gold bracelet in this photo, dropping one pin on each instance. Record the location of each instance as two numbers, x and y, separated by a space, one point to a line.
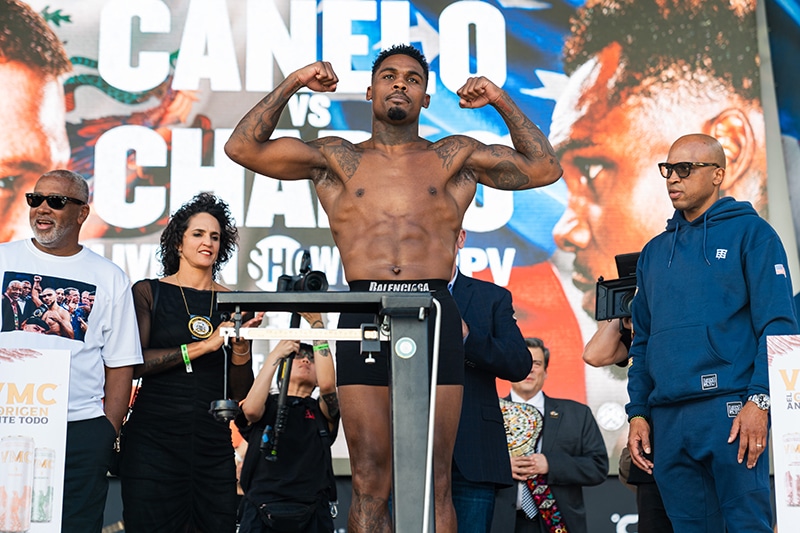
318 322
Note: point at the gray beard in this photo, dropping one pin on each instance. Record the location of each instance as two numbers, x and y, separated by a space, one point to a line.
395 113
55 234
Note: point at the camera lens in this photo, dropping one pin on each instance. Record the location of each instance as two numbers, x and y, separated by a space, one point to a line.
315 282
626 302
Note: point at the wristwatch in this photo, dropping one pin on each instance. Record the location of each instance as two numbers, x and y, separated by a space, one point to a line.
761 401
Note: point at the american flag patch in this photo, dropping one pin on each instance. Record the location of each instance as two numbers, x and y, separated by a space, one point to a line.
780 270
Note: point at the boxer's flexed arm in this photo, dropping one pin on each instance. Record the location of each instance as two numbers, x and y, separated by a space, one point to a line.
531 163
285 158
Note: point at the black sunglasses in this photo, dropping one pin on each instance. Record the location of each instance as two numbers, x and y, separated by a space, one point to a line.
55 201
682 169
304 354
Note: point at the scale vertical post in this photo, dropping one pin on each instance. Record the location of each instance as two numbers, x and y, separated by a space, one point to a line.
409 391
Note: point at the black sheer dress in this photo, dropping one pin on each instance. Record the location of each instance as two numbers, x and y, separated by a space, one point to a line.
177 468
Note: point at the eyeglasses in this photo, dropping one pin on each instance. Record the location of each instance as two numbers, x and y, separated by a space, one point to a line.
55 201
682 169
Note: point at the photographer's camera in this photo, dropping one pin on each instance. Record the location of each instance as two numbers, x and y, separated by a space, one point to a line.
306 281
615 296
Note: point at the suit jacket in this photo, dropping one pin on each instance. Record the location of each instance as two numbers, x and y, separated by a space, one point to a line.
576 456
8 315
26 313
494 348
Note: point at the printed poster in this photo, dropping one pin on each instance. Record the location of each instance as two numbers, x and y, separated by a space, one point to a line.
784 384
34 390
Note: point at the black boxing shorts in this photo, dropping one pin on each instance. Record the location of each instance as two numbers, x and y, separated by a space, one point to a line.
350 366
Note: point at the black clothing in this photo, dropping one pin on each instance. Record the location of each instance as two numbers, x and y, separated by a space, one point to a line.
652 515
301 472
12 318
351 369
177 468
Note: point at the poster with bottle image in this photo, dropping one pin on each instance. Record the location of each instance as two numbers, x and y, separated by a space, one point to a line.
34 390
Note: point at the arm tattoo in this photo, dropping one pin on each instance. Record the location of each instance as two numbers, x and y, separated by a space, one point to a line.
325 352
332 401
166 359
525 135
271 109
506 175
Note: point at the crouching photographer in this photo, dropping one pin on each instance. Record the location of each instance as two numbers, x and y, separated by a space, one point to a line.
287 475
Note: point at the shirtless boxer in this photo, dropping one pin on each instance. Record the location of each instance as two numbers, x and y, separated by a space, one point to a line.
395 203
54 315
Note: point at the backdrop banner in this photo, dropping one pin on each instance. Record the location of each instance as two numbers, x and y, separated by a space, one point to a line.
156 87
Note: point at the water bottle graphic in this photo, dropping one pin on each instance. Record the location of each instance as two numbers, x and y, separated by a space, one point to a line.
42 492
16 481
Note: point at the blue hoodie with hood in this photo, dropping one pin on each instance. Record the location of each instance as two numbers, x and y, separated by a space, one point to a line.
709 293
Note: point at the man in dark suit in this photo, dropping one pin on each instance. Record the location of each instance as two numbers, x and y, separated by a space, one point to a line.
12 316
494 347
26 306
570 454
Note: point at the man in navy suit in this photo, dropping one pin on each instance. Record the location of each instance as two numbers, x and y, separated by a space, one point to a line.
494 347
571 454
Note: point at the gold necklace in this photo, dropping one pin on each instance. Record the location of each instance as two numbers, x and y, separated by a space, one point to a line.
200 326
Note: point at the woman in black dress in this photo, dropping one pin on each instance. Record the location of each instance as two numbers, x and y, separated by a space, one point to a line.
177 469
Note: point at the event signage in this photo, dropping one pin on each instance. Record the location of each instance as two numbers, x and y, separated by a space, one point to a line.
784 384
34 390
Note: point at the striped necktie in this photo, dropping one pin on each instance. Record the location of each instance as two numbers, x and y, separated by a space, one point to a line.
526 502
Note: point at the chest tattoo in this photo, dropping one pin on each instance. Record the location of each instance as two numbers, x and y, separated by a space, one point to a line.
448 150
347 159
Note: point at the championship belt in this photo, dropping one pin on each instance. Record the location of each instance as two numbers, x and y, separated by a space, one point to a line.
523 423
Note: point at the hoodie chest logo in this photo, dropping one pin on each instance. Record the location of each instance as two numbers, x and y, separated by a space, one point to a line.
722 253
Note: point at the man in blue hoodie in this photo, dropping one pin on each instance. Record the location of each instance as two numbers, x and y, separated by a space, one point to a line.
711 288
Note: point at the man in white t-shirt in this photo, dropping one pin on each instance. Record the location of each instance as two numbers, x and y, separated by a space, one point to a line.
101 365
